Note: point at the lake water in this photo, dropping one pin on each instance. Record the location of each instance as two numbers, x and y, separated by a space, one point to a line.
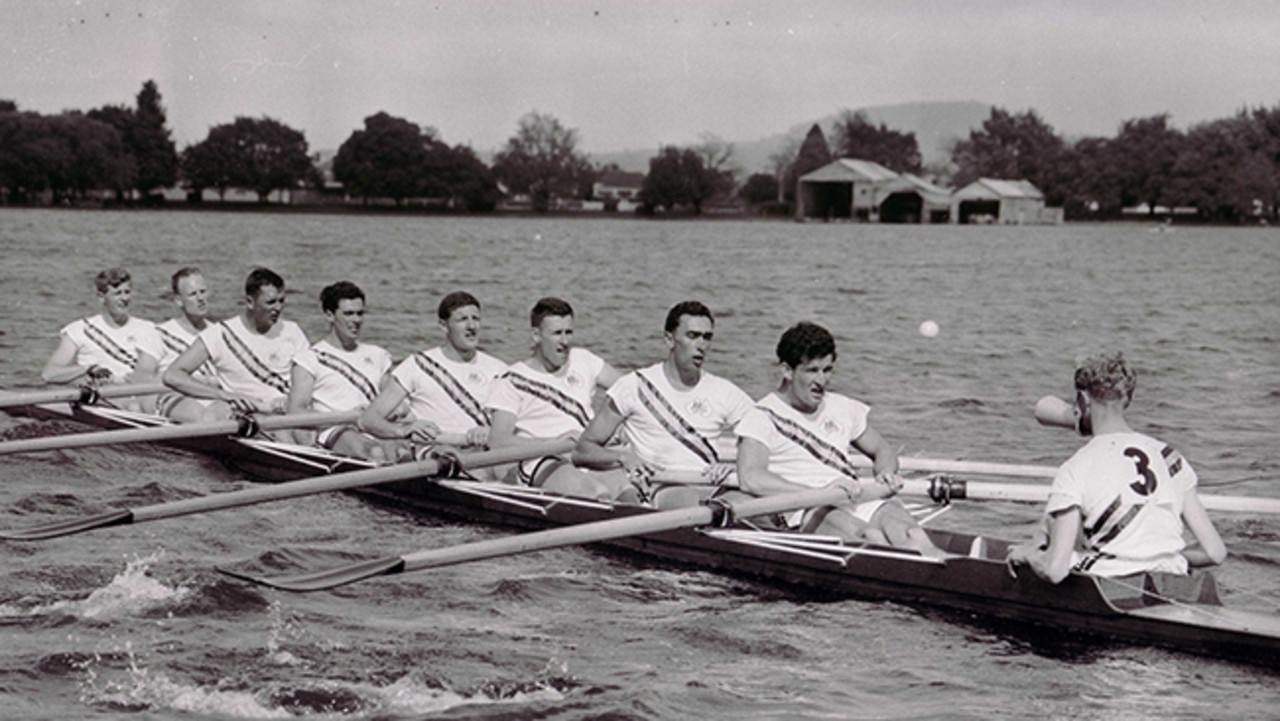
133 622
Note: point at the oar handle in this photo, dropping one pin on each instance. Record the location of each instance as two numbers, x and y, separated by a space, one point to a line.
79 394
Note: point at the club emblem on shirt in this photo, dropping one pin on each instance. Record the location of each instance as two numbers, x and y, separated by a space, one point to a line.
476 378
133 340
273 358
699 407
573 380
831 428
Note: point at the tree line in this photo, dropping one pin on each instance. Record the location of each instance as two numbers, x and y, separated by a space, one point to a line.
1228 169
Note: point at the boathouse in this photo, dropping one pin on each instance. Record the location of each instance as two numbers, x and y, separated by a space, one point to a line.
911 199
843 189
1004 202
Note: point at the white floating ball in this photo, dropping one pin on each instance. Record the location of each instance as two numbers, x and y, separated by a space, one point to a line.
928 329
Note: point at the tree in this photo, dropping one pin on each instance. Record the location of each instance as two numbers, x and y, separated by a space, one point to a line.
1015 147
542 159
759 189
458 175
1144 154
679 177
387 159
813 154
258 154
146 140
856 137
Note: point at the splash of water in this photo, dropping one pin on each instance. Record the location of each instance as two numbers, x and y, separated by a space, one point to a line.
130 592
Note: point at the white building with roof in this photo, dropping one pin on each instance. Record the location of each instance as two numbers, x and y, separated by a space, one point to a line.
843 189
1005 202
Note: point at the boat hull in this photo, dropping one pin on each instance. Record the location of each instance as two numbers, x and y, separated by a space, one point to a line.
1175 612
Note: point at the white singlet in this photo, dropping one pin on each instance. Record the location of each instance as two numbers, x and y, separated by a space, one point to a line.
1129 488
345 380
448 393
250 364
116 349
549 405
677 429
176 338
810 450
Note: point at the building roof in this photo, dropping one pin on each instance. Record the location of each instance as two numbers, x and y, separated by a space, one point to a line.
908 183
993 189
849 170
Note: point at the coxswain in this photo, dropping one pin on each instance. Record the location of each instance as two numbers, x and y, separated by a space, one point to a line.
446 387
340 373
674 416
549 395
1119 505
109 347
251 354
799 436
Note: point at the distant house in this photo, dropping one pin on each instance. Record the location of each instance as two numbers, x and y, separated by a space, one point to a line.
843 189
1006 202
911 199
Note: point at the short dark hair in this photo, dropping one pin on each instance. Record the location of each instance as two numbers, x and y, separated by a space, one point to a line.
686 307
342 290
1106 378
549 306
453 301
805 341
183 272
110 278
259 277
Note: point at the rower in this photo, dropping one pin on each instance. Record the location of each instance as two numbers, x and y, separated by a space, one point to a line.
445 387
549 395
1119 505
799 436
672 414
191 296
111 347
340 373
251 354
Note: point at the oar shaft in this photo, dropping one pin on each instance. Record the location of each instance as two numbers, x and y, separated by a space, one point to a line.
172 432
70 394
943 490
637 525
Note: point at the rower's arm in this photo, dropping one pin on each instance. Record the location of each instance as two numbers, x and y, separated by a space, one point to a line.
1053 563
884 457
502 434
754 475
301 383
608 376
62 367
1212 550
376 419
146 369
179 378
591 450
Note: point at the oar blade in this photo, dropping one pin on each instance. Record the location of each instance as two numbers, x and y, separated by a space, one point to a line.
69 527
324 579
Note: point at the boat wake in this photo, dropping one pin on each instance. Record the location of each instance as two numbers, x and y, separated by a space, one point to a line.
130 593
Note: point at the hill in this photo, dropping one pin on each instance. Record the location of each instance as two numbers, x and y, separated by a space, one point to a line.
936 125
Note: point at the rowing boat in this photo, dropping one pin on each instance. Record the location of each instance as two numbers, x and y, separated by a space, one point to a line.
1181 613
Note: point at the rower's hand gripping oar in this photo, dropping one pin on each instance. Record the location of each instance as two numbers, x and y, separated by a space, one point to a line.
86 395
292 489
245 426
718 513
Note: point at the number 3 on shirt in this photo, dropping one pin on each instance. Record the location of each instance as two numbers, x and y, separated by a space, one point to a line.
1147 485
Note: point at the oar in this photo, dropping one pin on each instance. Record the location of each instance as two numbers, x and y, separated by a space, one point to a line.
947 489
635 525
281 491
83 394
176 431
968 468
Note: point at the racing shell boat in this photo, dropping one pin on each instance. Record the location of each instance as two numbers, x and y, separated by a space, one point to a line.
1183 613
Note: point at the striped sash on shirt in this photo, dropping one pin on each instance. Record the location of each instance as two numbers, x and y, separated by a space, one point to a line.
100 338
1105 529
822 451
674 423
179 346
346 370
550 394
453 388
251 362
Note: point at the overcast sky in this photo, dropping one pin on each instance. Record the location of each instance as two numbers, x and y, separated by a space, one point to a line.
636 74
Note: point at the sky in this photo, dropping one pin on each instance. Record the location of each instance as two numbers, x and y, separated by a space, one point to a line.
637 74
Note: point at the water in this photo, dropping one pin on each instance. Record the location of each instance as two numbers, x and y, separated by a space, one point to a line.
133 622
